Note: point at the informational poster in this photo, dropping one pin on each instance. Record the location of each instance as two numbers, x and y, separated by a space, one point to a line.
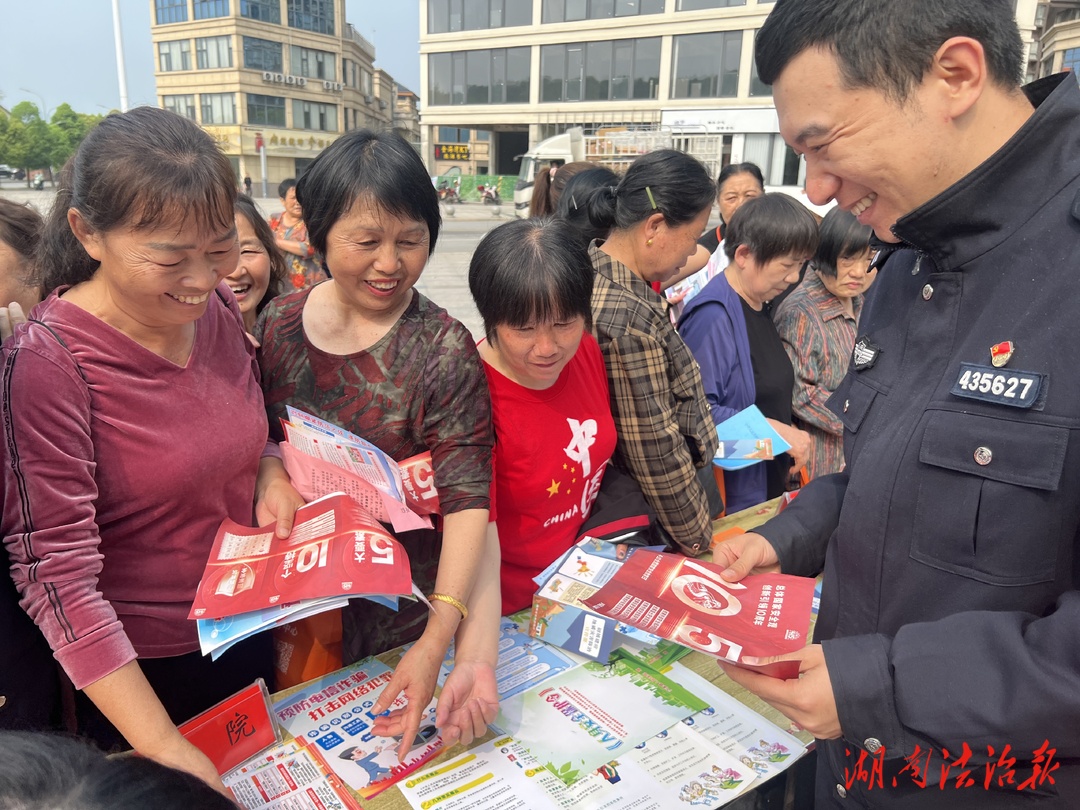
333 715
576 721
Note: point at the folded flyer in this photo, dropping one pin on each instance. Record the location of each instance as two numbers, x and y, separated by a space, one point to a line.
687 601
747 438
322 457
334 549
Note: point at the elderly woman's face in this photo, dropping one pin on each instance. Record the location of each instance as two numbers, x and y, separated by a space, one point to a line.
375 257
735 191
851 277
164 275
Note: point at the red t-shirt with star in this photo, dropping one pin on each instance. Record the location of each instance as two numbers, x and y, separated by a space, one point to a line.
551 448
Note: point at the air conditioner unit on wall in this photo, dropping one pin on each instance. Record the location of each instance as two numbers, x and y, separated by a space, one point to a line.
368 99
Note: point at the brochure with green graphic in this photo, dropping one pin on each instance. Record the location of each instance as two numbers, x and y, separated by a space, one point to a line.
576 721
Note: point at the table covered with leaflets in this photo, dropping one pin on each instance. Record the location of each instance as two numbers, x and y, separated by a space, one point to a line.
655 727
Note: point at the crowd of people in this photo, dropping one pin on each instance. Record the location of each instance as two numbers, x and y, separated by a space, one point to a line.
142 398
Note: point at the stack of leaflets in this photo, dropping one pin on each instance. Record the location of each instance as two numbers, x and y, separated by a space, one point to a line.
687 601
745 439
335 550
559 614
288 776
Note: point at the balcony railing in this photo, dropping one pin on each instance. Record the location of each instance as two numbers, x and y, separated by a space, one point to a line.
352 34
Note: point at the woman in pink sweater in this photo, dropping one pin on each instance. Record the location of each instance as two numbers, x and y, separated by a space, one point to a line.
133 424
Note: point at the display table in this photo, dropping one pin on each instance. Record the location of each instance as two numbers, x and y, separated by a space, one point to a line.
704 665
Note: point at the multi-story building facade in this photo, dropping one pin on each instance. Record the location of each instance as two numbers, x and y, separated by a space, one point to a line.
525 70
1058 36
274 81
528 69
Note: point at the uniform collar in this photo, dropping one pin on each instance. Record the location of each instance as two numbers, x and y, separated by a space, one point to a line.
990 203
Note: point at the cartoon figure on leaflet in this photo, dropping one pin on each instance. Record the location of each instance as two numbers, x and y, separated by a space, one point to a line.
769 752
696 793
722 778
368 761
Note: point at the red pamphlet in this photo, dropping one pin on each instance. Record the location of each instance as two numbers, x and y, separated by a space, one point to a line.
335 549
688 602
234 730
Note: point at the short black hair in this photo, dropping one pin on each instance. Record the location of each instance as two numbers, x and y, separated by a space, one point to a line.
531 271
666 181
889 45
839 237
285 185
772 225
733 169
379 167
53 772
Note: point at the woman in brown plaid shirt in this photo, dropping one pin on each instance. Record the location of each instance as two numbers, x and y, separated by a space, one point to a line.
666 435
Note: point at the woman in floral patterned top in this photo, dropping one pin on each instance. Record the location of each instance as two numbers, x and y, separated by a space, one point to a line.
291 234
366 351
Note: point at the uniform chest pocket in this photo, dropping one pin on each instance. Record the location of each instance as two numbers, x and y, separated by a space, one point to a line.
987 506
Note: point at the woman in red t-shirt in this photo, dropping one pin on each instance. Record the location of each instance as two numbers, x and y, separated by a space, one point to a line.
554 434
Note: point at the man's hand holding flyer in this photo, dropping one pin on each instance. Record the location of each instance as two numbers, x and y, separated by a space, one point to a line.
688 602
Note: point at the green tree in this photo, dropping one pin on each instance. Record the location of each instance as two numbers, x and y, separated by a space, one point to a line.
28 141
68 128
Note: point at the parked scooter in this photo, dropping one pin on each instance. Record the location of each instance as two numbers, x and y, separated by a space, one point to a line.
39 182
489 195
447 193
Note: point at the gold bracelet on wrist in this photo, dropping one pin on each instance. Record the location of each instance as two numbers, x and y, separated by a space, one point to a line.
450 600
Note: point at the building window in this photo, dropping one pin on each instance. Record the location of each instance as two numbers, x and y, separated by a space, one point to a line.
1070 60
365 82
262 54
777 161
496 76
757 86
175 55
707 65
262 10
600 71
473 15
170 11
213 52
556 11
453 135
312 15
206 9
181 105
483 135
266 110
312 64
313 115
218 108
698 5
